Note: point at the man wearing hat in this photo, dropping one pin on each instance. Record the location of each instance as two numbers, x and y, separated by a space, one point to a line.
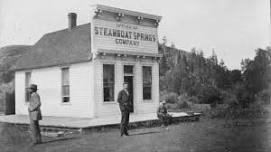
124 104
34 113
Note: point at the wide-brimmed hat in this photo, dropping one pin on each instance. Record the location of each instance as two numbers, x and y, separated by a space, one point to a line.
33 87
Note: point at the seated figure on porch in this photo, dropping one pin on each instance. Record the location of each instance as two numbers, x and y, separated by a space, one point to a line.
163 115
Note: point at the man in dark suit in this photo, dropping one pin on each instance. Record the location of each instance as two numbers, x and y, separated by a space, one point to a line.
124 104
34 113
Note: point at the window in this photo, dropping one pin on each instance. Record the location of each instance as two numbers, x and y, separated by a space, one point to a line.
108 82
128 69
27 84
147 82
65 85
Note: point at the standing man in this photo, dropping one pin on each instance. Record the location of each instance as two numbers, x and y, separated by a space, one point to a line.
124 104
34 113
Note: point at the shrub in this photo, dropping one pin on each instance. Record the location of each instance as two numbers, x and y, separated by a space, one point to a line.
203 108
209 95
229 98
244 98
194 99
218 112
172 106
170 97
183 101
263 96
182 104
254 110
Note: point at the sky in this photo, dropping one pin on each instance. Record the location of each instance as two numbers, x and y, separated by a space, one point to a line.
233 28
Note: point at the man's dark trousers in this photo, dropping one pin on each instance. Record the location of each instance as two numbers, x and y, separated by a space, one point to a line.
124 104
124 121
35 129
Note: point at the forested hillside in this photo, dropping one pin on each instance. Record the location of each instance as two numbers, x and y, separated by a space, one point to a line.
192 77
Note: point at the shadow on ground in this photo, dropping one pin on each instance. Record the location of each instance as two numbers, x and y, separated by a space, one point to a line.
59 140
144 133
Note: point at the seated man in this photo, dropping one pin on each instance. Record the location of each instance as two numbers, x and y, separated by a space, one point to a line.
162 114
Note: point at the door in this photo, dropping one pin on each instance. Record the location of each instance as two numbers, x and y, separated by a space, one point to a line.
128 78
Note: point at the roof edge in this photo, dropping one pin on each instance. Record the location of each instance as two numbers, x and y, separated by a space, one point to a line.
52 65
128 12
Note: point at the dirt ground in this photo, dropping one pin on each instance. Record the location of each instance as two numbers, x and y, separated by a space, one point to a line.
203 136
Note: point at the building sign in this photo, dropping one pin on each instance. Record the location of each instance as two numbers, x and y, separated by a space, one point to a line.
124 37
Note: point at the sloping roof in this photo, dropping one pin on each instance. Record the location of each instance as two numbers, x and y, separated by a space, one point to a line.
58 48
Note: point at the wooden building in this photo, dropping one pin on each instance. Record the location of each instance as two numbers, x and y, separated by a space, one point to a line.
80 70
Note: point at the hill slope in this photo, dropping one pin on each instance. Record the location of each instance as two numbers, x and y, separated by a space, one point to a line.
8 57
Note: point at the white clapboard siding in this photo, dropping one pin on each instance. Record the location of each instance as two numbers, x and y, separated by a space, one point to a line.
49 85
149 106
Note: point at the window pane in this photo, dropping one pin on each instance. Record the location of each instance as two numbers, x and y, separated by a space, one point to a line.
108 73
128 69
65 76
66 99
147 93
27 84
27 95
108 81
65 91
147 82
147 75
27 79
109 93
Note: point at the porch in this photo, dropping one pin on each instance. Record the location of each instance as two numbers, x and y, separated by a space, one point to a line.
84 124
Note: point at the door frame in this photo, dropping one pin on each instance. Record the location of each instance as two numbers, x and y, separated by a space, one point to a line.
133 76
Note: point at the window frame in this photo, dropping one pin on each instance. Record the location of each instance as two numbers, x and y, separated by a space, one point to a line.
149 85
27 80
112 84
65 85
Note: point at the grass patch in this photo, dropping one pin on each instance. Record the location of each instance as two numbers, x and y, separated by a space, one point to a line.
13 135
254 110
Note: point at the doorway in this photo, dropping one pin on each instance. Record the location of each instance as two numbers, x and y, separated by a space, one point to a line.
129 78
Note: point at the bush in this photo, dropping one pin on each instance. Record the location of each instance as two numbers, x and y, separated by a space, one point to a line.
209 95
182 104
203 108
218 112
194 99
263 96
172 106
170 97
183 101
229 98
254 110
244 98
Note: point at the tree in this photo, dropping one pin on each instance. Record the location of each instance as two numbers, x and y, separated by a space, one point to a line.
256 72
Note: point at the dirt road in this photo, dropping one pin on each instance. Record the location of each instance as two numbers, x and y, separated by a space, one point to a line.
203 136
